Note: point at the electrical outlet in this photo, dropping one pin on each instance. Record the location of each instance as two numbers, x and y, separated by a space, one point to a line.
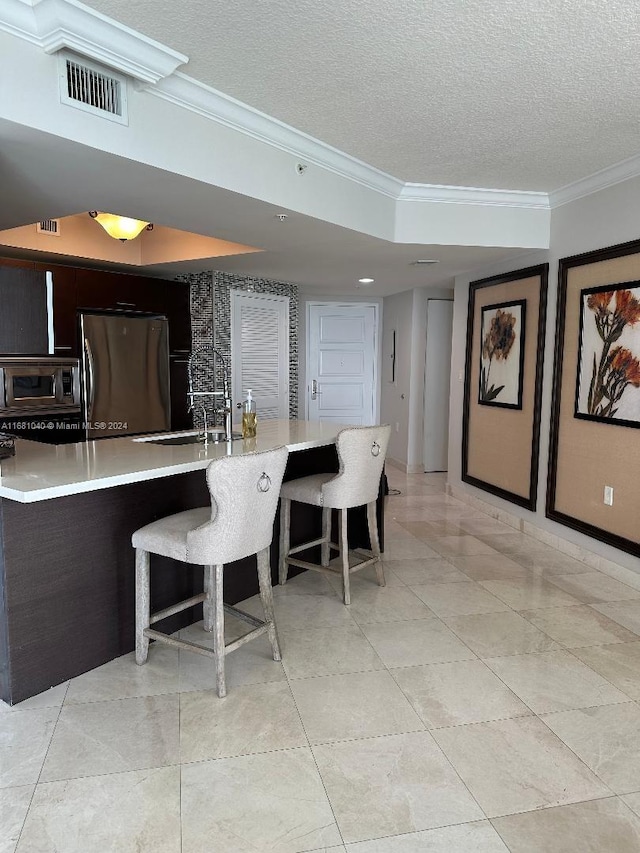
397 426
608 495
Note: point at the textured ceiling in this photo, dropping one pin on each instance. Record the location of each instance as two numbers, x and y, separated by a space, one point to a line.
518 94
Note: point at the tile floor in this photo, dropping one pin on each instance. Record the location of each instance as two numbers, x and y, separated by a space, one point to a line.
486 700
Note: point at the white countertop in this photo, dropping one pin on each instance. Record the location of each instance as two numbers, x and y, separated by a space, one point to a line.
41 471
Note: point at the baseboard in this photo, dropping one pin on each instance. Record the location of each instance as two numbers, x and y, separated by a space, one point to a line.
415 469
578 552
402 466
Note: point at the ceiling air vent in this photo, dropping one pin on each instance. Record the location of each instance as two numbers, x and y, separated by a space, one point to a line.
94 89
49 226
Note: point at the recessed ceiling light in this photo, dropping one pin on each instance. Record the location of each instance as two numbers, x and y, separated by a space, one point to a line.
425 261
366 280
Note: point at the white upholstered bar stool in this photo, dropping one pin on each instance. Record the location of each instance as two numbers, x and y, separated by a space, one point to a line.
244 497
361 455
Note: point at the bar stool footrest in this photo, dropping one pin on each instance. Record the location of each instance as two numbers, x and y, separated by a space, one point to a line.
250 635
244 617
367 556
329 570
261 628
305 545
178 644
176 608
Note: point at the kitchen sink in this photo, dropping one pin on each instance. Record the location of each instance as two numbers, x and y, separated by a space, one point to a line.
215 436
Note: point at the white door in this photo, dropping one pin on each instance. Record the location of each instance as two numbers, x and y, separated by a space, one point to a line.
342 355
260 351
436 384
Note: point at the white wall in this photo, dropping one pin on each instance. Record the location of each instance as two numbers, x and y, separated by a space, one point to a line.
402 401
602 219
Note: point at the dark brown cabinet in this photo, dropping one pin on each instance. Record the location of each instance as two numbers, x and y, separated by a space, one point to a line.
23 313
180 417
114 291
23 309
65 326
96 289
175 297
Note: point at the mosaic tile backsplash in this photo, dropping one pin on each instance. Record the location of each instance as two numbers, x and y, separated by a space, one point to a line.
211 324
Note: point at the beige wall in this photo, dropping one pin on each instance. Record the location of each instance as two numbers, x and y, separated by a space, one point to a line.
602 219
592 455
500 439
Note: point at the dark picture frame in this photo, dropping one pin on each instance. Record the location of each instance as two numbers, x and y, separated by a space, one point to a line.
608 375
534 282
630 252
503 334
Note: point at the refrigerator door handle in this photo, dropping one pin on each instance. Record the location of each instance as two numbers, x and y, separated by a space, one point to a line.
88 383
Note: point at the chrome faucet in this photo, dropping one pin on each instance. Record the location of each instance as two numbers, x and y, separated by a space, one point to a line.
226 393
205 425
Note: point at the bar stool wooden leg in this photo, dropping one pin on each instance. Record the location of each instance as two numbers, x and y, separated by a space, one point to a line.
266 596
326 535
218 631
207 604
344 553
372 521
285 539
143 606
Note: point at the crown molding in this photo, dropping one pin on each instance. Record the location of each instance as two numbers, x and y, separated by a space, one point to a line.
607 177
443 194
17 18
54 25
58 24
184 91
203 100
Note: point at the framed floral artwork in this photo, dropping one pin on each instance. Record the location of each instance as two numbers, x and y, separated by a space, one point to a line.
594 458
608 381
502 330
503 384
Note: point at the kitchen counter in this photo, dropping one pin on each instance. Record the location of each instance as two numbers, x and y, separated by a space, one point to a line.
67 513
40 472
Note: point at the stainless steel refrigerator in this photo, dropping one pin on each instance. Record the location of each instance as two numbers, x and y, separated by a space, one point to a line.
125 374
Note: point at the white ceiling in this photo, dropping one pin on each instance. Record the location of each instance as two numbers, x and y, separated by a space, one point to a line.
517 94
46 176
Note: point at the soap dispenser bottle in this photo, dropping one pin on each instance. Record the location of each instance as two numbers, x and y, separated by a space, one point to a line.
249 416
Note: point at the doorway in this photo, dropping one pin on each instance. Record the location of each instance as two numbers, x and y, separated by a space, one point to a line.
437 377
342 362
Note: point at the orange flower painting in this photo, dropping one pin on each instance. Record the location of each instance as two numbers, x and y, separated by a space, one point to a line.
502 329
609 362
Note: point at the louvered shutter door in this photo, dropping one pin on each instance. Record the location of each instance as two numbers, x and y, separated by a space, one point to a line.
260 352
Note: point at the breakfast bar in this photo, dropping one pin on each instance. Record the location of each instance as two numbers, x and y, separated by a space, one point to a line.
67 513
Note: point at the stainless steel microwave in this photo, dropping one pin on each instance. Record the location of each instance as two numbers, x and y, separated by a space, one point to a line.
39 385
